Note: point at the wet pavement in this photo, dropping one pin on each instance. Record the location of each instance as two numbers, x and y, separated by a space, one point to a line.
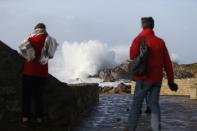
111 114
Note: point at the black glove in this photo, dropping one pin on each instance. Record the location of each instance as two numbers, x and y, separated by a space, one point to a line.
173 86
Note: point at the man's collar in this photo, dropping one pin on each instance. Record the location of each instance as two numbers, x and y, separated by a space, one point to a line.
147 32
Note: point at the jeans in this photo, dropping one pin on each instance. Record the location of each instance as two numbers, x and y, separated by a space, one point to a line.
33 86
147 99
141 90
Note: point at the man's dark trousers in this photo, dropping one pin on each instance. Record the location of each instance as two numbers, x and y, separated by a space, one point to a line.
33 86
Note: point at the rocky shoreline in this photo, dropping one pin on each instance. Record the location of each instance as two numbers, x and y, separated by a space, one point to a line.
119 89
181 71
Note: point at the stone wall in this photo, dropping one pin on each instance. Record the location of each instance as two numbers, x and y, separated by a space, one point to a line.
64 104
184 87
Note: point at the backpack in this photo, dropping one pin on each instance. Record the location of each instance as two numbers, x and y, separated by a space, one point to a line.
139 65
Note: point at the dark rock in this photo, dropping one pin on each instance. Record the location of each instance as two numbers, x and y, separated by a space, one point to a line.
118 90
121 72
122 88
106 75
64 104
182 71
106 89
187 70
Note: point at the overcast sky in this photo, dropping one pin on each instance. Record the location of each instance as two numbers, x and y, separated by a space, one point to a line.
115 22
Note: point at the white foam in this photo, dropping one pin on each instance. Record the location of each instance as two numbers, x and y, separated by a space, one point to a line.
75 61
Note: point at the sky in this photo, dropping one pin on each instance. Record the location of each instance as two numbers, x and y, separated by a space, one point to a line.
114 22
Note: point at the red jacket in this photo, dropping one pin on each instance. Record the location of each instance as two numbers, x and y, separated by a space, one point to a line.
34 68
158 57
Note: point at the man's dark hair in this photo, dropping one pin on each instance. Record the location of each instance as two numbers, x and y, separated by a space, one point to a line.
147 22
40 25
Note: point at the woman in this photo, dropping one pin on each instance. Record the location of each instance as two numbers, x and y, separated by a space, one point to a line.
36 50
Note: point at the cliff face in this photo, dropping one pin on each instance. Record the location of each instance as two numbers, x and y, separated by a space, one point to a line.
64 104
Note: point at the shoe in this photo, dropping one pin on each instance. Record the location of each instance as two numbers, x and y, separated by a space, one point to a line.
148 110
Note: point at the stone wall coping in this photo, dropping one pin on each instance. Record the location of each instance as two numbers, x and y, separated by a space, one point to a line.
83 84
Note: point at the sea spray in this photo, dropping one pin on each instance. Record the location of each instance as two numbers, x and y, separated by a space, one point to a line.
78 60
121 52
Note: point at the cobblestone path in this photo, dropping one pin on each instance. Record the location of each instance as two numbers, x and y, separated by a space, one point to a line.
177 114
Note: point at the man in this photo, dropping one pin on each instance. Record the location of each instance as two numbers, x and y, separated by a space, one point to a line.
158 58
36 50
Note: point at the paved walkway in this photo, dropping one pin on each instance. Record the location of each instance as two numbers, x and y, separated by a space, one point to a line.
177 114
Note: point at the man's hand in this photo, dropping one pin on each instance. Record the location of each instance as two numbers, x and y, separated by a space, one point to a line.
173 86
